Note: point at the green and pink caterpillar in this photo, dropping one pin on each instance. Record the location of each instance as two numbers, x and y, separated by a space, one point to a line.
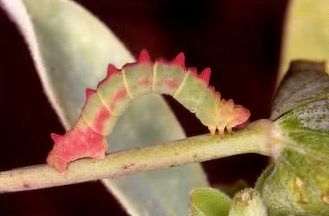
105 104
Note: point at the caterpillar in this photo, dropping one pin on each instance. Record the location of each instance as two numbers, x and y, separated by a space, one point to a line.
104 105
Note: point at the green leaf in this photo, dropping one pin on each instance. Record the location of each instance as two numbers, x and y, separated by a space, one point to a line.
314 115
298 183
304 83
263 177
71 50
248 203
209 202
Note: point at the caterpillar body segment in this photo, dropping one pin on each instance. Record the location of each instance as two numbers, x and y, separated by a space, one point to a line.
105 104
191 92
138 78
114 94
96 115
211 105
168 75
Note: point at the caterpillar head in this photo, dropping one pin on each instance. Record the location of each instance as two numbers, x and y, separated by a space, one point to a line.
240 116
230 116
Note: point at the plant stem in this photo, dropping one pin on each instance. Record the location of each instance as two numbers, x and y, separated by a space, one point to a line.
256 138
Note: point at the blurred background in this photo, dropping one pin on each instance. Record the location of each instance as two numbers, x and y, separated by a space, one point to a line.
240 40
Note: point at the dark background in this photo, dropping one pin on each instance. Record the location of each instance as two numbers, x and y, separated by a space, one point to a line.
240 40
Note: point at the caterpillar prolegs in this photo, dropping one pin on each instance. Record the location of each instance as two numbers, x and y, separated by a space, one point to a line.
105 104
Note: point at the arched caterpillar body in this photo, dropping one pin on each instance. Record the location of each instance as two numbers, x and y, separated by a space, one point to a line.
105 104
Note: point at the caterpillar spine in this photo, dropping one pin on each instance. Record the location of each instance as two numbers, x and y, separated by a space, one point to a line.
113 94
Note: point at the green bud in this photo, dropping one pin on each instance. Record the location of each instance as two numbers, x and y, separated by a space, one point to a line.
248 203
209 202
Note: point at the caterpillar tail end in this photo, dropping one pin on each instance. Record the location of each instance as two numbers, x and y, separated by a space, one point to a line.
75 144
54 159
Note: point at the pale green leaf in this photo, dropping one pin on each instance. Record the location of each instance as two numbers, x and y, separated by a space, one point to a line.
306 34
71 50
70 47
209 202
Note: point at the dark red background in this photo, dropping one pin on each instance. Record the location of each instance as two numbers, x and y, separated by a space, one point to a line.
240 40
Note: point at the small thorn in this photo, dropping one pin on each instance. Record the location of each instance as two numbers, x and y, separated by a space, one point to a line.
205 75
218 94
144 56
56 138
111 69
89 92
179 60
230 103
193 71
101 82
213 90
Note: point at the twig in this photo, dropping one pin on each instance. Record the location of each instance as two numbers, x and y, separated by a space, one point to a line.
256 138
